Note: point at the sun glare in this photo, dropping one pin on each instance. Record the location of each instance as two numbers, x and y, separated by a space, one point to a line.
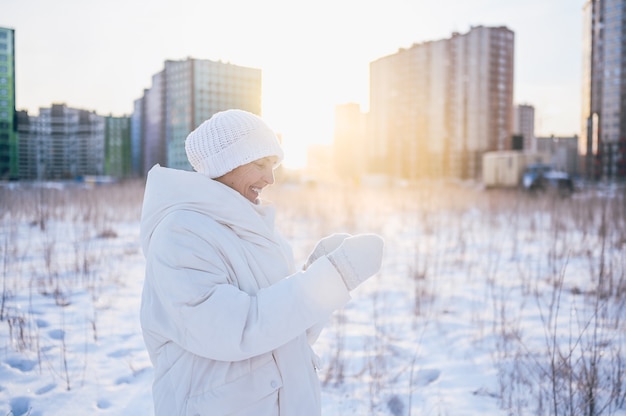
300 116
301 92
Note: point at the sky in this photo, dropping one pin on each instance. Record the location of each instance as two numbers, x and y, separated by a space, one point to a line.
101 55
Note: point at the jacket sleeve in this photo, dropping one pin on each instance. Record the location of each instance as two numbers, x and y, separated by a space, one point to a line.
197 307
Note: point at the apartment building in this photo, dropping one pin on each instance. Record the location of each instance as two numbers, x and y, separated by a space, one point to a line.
349 140
62 143
524 127
602 141
183 95
8 119
437 106
117 147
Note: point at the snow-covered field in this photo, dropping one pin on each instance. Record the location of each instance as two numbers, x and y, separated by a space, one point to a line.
488 302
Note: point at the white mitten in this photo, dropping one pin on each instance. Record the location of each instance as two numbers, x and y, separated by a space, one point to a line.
358 258
325 246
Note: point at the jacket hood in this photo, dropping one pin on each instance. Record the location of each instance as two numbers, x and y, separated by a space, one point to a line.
169 190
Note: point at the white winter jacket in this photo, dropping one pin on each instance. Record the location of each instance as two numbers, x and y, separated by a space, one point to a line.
224 314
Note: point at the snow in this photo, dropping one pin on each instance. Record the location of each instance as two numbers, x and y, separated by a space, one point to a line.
488 302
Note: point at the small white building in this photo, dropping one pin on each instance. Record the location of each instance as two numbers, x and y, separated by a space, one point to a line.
505 168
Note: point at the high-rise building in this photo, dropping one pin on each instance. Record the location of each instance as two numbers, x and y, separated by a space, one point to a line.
349 141
8 117
117 147
437 106
136 133
524 126
183 95
28 148
602 141
153 146
67 143
61 143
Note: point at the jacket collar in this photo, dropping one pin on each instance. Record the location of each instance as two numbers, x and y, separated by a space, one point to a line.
169 190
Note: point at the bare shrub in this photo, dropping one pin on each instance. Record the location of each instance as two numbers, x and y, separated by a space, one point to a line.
535 283
68 247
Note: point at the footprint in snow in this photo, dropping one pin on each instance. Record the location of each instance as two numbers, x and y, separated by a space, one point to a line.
103 404
41 323
22 365
45 389
425 377
57 334
20 406
121 353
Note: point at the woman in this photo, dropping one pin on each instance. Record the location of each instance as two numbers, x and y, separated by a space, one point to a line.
226 318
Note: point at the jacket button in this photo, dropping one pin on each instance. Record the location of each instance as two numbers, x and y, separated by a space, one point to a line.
274 384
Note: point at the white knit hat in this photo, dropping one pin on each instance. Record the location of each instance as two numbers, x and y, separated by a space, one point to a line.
228 140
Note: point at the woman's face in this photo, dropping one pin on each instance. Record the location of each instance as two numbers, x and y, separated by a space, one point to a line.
250 179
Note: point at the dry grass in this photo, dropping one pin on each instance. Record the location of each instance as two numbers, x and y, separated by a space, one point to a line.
557 261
